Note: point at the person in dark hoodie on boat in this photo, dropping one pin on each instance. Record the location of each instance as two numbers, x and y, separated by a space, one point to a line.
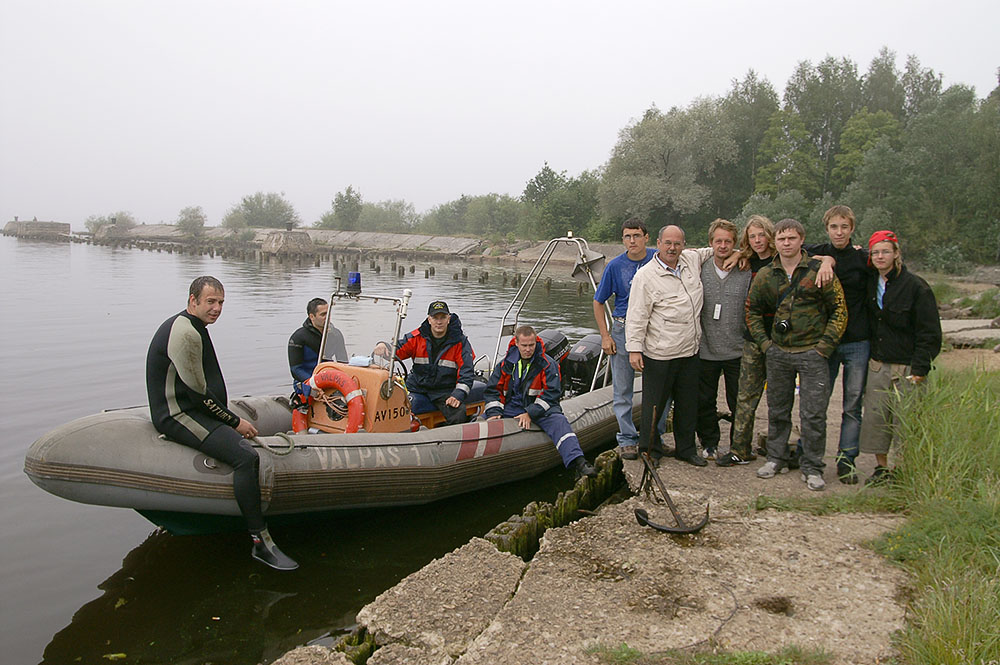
442 371
303 356
188 404
303 345
526 387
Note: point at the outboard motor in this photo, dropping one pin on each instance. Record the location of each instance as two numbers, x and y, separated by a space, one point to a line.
581 363
556 345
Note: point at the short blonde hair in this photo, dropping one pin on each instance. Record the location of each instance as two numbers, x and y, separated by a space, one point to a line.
839 211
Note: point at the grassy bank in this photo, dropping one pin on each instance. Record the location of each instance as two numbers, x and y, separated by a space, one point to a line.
947 483
948 480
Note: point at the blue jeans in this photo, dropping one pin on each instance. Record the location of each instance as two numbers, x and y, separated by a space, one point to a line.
854 357
623 382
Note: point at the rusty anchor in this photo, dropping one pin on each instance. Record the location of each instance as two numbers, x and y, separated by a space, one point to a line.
649 478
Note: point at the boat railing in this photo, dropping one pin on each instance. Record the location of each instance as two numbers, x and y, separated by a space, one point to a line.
586 263
353 292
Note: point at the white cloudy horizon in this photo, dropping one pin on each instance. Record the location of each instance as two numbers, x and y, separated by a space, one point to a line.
154 106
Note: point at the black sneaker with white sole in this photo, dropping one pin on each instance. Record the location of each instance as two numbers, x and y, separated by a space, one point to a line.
734 459
265 551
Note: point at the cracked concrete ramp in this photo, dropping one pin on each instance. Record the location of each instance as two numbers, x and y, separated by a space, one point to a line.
433 615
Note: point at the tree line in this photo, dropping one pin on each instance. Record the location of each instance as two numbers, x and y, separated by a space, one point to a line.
893 144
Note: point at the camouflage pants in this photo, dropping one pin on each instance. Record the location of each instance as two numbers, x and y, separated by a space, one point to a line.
753 374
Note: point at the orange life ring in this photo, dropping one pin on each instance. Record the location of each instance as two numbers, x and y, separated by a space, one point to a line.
330 378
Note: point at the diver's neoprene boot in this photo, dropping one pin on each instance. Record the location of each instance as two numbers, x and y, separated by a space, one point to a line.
266 551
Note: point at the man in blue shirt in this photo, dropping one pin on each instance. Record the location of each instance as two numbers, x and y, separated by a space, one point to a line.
617 280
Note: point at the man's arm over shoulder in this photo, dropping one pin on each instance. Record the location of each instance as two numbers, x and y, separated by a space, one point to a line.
702 253
185 349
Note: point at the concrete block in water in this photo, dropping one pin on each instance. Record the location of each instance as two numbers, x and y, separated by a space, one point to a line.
443 606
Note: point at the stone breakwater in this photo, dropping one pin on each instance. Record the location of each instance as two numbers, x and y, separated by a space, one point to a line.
754 579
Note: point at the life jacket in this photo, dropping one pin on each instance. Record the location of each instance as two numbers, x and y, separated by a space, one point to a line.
540 387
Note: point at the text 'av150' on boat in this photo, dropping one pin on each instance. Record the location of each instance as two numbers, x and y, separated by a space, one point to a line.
361 444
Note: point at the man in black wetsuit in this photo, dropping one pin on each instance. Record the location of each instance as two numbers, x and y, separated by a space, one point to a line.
188 404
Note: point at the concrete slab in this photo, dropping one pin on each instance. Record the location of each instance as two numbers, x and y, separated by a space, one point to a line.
443 606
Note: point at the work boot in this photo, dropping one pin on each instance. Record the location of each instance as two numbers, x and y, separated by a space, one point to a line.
580 468
881 476
630 452
847 472
266 551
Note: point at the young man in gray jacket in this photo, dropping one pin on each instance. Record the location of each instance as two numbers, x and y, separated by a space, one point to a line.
721 349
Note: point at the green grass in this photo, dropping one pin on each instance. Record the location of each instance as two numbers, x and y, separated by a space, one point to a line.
947 482
945 291
985 305
949 477
623 654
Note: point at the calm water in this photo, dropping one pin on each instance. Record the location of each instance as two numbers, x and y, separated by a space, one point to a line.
84 583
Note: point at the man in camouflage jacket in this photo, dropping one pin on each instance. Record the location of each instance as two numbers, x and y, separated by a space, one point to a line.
809 320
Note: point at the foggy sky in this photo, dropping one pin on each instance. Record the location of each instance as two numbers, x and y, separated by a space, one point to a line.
152 106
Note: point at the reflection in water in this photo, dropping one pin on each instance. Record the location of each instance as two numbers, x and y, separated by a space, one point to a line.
83 318
198 599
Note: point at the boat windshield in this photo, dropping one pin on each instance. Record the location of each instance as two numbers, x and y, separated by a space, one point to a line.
363 322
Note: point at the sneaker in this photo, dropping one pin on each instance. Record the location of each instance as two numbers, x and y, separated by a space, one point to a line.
708 453
847 473
581 468
770 470
881 476
629 452
814 481
734 459
265 551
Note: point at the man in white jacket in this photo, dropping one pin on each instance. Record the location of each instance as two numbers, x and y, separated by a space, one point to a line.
662 334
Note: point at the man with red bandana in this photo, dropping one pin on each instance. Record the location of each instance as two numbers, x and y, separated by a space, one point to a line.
905 339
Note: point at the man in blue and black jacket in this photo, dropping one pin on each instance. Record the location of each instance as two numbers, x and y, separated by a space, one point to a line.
303 345
526 387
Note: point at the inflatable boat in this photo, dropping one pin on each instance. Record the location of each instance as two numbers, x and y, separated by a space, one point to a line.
361 446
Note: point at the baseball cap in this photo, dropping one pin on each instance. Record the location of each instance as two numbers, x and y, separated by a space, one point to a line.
438 307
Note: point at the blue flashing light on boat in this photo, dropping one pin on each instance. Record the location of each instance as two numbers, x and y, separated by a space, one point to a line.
354 283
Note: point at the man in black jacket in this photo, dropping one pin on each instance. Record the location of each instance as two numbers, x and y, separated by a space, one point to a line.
303 345
852 352
303 356
905 339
